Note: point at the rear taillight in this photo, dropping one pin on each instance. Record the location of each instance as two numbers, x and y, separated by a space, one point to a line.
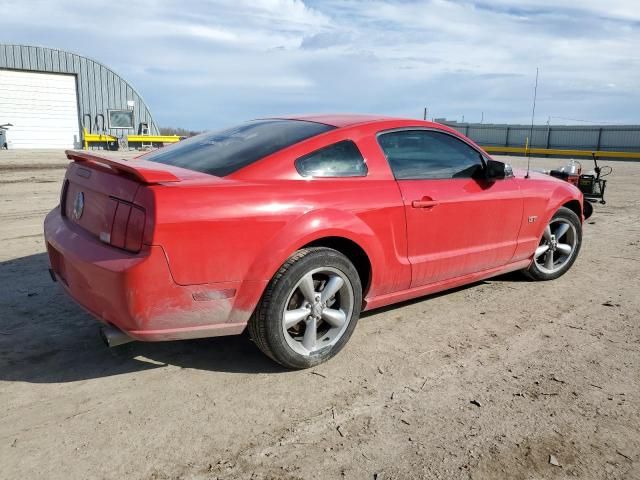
127 228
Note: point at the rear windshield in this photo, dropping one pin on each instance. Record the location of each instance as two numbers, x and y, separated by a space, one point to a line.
222 153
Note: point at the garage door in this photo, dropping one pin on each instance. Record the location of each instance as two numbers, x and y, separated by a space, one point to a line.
43 107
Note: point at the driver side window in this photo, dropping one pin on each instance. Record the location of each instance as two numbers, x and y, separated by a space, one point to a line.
427 154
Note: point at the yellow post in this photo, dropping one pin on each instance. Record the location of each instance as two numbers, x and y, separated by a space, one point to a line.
84 137
526 147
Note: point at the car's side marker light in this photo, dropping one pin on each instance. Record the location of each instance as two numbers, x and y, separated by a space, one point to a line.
208 295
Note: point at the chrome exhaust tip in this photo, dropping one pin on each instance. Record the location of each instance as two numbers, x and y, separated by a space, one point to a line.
112 336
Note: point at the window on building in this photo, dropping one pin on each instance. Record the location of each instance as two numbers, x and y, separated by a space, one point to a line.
120 118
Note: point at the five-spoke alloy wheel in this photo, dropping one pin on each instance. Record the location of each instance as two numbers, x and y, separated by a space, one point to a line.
558 247
309 309
317 310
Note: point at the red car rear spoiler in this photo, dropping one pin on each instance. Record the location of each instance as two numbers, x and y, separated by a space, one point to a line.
142 170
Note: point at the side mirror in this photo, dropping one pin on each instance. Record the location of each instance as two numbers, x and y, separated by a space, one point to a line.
497 170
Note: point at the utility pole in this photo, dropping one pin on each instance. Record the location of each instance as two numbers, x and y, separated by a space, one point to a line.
426 111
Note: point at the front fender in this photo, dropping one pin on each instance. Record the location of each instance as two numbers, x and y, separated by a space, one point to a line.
542 199
562 195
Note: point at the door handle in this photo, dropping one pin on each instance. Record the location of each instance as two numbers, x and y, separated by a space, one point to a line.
426 202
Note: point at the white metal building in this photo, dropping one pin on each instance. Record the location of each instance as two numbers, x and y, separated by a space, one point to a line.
49 96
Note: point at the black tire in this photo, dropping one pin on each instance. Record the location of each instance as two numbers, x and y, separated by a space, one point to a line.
536 271
587 209
266 324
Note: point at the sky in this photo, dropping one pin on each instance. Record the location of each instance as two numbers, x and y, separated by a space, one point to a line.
206 64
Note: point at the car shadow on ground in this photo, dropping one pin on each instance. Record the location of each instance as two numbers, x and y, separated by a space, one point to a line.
46 338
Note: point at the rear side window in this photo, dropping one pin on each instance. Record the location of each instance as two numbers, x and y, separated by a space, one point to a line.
225 152
342 159
425 154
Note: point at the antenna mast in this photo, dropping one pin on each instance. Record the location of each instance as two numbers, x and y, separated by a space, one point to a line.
533 115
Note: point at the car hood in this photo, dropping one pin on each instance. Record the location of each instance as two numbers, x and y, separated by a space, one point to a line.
522 173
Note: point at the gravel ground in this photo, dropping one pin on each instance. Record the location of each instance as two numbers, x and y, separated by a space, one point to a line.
503 378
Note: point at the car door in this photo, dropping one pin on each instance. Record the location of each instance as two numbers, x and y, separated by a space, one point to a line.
458 223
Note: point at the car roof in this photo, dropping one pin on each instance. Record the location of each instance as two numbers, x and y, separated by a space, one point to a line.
338 119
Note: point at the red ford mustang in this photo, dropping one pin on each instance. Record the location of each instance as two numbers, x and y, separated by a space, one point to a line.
292 226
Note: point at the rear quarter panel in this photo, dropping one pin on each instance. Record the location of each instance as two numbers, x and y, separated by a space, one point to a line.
245 231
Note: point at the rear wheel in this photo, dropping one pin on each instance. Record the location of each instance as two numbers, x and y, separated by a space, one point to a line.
309 308
558 247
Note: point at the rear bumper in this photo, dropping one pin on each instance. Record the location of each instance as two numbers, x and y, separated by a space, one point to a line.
136 292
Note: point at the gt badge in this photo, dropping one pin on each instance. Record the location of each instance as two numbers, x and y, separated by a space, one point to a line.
533 218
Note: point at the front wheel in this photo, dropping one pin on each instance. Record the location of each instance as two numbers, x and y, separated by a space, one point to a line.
558 247
309 308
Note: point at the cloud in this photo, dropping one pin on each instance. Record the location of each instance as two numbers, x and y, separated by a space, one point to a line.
208 63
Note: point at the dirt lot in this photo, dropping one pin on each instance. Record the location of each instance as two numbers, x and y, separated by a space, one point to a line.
486 381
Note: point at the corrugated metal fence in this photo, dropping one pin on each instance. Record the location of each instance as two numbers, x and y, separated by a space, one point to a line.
625 138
